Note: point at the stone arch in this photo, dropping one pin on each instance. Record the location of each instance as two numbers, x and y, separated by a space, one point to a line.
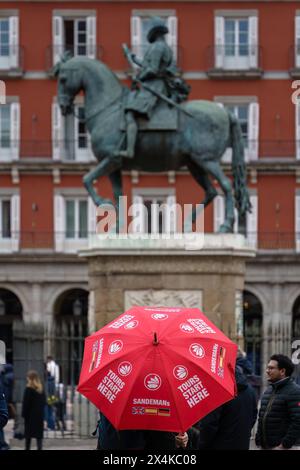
296 318
11 310
57 292
72 302
252 326
69 329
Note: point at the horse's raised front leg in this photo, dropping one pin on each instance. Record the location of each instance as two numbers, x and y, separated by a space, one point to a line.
203 180
104 168
216 171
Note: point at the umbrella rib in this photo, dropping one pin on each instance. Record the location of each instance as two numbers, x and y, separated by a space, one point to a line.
174 396
132 386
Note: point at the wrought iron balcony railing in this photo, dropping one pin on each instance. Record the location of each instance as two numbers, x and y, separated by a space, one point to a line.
54 52
73 150
11 60
46 240
241 58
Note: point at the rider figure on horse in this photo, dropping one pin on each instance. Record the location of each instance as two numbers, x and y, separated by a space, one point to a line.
157 72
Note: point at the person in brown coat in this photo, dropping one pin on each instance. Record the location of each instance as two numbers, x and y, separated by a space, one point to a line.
34 401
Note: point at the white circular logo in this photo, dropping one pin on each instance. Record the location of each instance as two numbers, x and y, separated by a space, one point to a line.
115 347
159 316
197 350
180 372
132 324
125 368
152 381
186 328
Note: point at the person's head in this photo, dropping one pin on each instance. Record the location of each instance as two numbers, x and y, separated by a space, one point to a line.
33 381
49 359
279 367
158 28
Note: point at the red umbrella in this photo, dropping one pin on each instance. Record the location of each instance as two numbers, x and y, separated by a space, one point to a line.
158 368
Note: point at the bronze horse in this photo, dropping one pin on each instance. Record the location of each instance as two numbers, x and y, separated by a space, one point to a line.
198 143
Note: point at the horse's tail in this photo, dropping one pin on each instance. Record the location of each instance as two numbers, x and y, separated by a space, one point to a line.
241 193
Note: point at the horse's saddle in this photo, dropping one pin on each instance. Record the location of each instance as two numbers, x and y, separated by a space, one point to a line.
164 117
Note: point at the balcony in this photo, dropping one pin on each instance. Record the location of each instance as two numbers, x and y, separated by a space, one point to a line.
70 150
41 241
233 61
11 61
95 51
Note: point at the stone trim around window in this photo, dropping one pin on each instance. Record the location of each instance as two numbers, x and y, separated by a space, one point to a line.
8 192
148 192
71 192
235 13
8 13
235 99
74 13
12 99
153 12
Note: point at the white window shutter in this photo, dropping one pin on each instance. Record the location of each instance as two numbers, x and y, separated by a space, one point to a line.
253 41
15 222
219 212
58 38
14 41
91 36
58 134
139 214
219 41
253 123
15 130
297 119
59 222
297 222
136 36
227 155
92 217
252 222
172 38
297 41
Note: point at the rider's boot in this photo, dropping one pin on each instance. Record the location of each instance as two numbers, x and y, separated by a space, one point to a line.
131 134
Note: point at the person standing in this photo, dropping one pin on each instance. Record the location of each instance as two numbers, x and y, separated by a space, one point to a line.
3 419
33 410
279 415
229 426
52 382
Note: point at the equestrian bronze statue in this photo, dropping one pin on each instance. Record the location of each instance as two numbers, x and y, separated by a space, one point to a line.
151 128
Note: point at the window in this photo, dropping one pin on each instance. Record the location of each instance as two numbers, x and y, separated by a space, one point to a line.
9 131
5 218
5 129
236 42
154 211
77 35
70 138
251 219
9 42
9 222
140 25
76 218
248 116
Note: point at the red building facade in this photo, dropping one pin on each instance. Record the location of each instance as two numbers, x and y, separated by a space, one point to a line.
243 55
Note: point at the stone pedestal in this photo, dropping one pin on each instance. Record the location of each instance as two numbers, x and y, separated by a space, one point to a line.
123 273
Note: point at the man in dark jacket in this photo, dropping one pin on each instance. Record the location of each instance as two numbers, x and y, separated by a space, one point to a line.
229 426
3 418
279 415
